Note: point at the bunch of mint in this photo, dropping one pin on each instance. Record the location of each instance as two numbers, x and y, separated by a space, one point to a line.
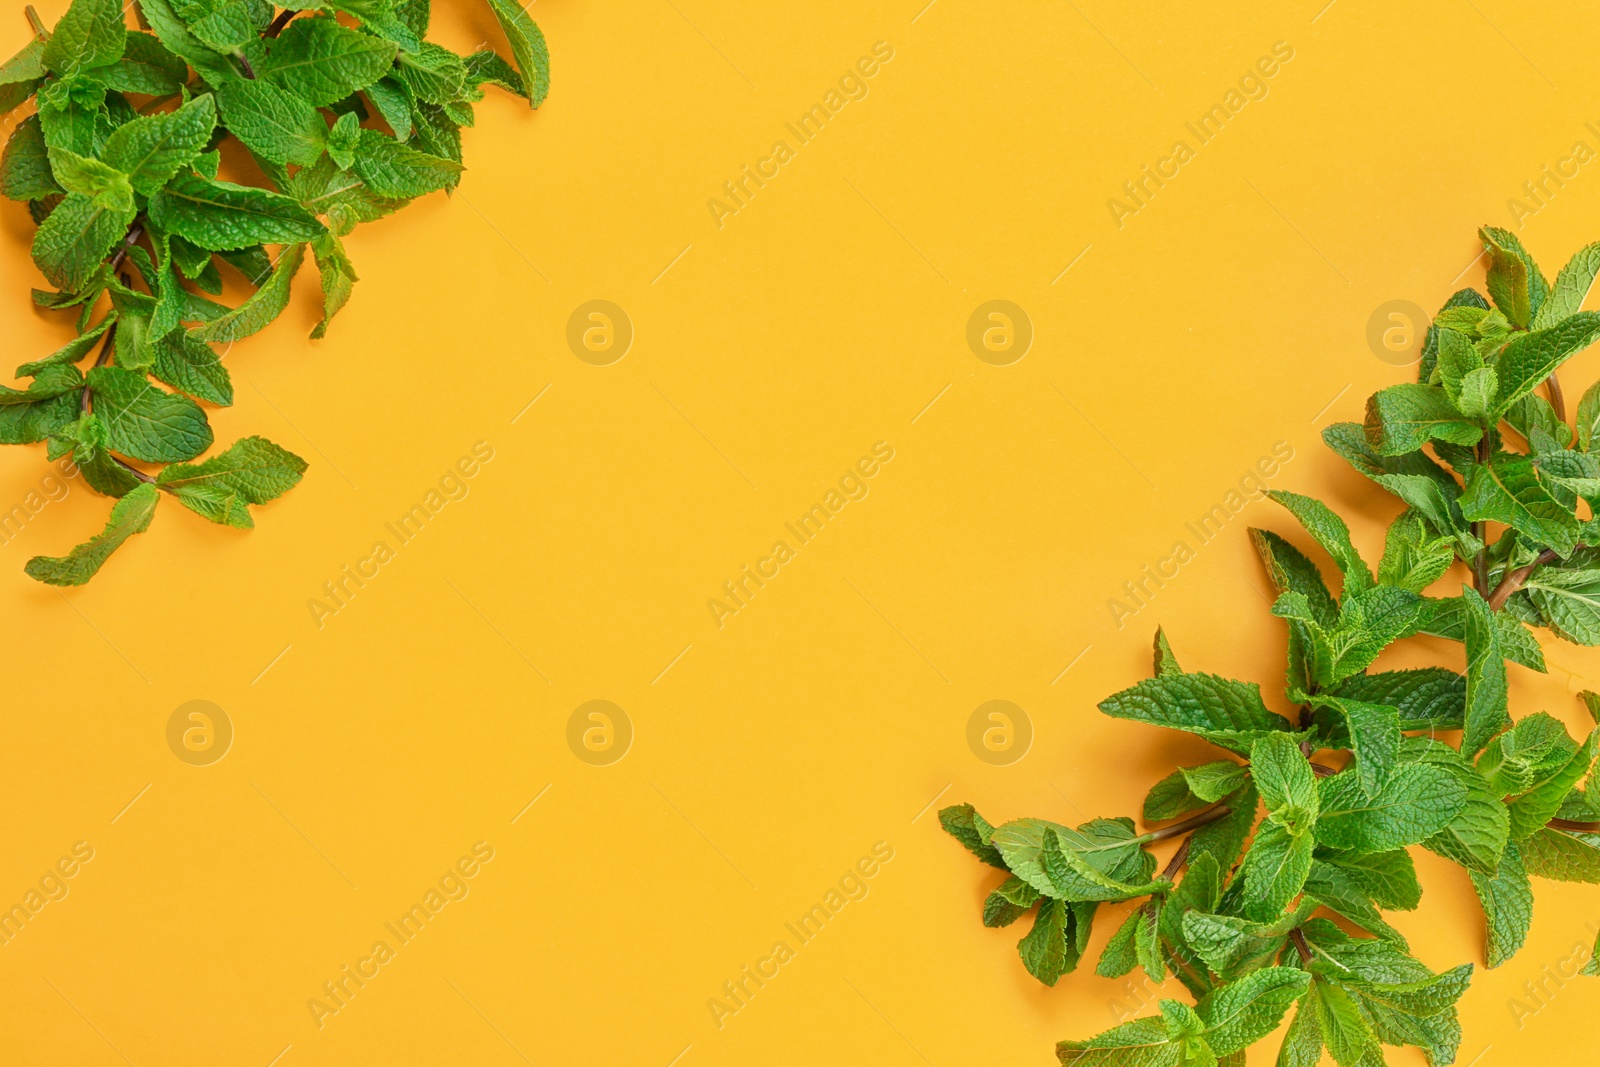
344 114
1363 773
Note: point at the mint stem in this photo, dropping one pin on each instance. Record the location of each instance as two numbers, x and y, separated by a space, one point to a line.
1516 579
1557 400
1193 822
1177 861
1300 945
280 22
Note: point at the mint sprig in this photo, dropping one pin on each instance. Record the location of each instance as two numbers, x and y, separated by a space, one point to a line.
1498 486
119 166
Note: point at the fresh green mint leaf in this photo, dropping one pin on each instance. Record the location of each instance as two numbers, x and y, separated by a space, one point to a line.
151 150
77 236
1331 533
321 61
260 308
1532 357
1373 731
147 67
1508 276
273 123
130 515
338 278
1487 691
1477 836
527 47
1242 1012
1416 802
91 34
391 169
144 422
222 215
1572 285
25 167
1507 898
963 823
485 65
1403 418
252 471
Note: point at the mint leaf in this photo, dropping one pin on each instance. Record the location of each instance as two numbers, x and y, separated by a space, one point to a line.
528 48
1507 899
1140 1043
1331 533
338 278
1373 731
106 186
1101 860
1568 602
144 422
1341 891
1213 781
146 67
1532 357
191 366
274 124
174 35
487 66
48 404
77 236
1415 803
151 150
1009 902
1427 698
1539 804
434 74
1403 418
1563 855
1247 1010
1449 619
252 471
963 823
222 215
320 61
391 169
1170 798
1477 836
1509 489
1275 870
130 515
1221 841
1120 954
91 34
1224 712
1342 1025
1413 558
1508 275
1284 777
25 168
1165 661
1588 407
1487 691
260 308
1046 949
1572 285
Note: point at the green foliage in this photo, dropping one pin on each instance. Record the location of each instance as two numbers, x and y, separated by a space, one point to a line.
347 112
1332 800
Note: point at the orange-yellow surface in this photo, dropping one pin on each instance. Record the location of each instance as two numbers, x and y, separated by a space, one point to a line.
805 333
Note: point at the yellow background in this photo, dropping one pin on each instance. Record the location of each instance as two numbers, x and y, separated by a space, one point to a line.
769 354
